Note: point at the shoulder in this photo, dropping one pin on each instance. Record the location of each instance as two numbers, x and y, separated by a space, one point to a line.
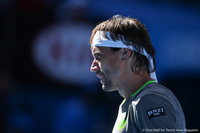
156 107
153 106
154 111
155 92
154 101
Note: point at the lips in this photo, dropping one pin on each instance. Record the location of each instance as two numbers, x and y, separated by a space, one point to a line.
100 75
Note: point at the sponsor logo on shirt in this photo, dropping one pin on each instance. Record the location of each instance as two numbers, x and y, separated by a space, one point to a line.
160 111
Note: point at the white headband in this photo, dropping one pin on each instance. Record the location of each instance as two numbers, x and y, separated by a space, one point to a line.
101 41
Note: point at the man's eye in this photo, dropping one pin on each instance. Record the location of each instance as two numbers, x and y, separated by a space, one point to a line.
98 56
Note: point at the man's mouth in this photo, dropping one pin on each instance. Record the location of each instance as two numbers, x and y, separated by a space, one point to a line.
100 75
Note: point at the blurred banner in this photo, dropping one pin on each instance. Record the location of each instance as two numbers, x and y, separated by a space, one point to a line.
62 52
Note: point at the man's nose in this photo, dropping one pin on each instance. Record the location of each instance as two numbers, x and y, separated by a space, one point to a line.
94 67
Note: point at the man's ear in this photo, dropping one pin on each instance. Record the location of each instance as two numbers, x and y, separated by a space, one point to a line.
126 53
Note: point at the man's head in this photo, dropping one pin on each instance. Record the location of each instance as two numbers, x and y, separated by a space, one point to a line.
130 33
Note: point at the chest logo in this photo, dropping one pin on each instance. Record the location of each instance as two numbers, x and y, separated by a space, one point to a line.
156 112
122 124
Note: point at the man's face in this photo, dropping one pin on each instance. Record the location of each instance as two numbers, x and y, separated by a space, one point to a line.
106 65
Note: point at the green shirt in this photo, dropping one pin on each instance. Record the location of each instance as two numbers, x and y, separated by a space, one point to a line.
153 108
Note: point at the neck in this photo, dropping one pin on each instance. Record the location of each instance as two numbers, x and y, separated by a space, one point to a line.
132 84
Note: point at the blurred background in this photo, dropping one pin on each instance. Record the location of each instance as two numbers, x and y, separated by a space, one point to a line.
45 82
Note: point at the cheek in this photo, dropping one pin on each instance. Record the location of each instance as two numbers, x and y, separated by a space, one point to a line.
110 66
111 72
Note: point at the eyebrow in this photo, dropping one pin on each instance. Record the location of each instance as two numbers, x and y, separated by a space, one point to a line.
97 52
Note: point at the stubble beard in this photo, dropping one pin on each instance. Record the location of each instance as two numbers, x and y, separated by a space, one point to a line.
108 85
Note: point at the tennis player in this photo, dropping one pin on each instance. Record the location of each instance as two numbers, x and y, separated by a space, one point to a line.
124 60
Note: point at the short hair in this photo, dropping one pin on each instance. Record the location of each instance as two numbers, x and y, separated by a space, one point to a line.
131 32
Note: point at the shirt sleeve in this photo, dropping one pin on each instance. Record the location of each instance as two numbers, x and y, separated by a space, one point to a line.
154 113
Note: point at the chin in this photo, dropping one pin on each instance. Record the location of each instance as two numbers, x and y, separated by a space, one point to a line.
108 89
